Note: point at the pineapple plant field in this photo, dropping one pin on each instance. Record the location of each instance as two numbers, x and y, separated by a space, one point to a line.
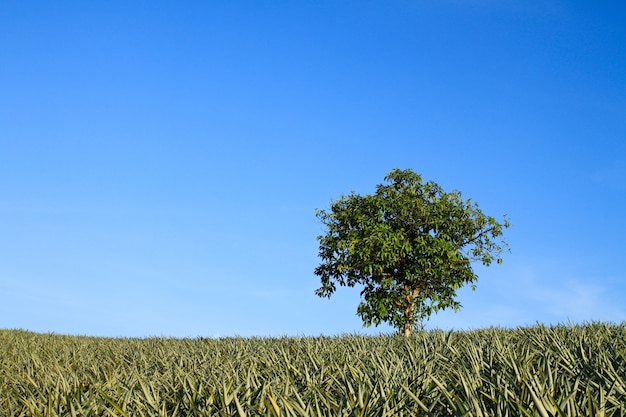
564 370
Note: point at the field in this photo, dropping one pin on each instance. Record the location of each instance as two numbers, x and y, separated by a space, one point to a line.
573 370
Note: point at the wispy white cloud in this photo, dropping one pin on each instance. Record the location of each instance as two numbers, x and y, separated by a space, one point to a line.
526 294
549 296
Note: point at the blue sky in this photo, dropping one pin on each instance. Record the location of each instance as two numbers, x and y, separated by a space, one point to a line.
161 162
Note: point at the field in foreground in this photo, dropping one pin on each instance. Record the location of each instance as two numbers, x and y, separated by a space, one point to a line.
535 371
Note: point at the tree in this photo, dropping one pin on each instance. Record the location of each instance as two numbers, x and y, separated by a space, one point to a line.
410 245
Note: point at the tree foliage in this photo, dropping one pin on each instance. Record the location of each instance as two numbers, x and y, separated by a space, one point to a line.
410 245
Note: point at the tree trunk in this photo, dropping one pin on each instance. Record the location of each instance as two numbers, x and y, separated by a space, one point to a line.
408 329
409 311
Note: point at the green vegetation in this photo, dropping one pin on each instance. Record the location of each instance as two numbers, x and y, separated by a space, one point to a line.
537 371
410 245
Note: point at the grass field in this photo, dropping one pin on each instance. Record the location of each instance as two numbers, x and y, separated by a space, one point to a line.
574 370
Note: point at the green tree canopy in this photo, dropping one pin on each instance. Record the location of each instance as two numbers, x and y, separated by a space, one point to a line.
410 245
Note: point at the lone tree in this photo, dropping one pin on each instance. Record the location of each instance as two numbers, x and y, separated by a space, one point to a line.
410 245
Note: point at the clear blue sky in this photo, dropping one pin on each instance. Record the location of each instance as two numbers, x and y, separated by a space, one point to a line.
160 162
